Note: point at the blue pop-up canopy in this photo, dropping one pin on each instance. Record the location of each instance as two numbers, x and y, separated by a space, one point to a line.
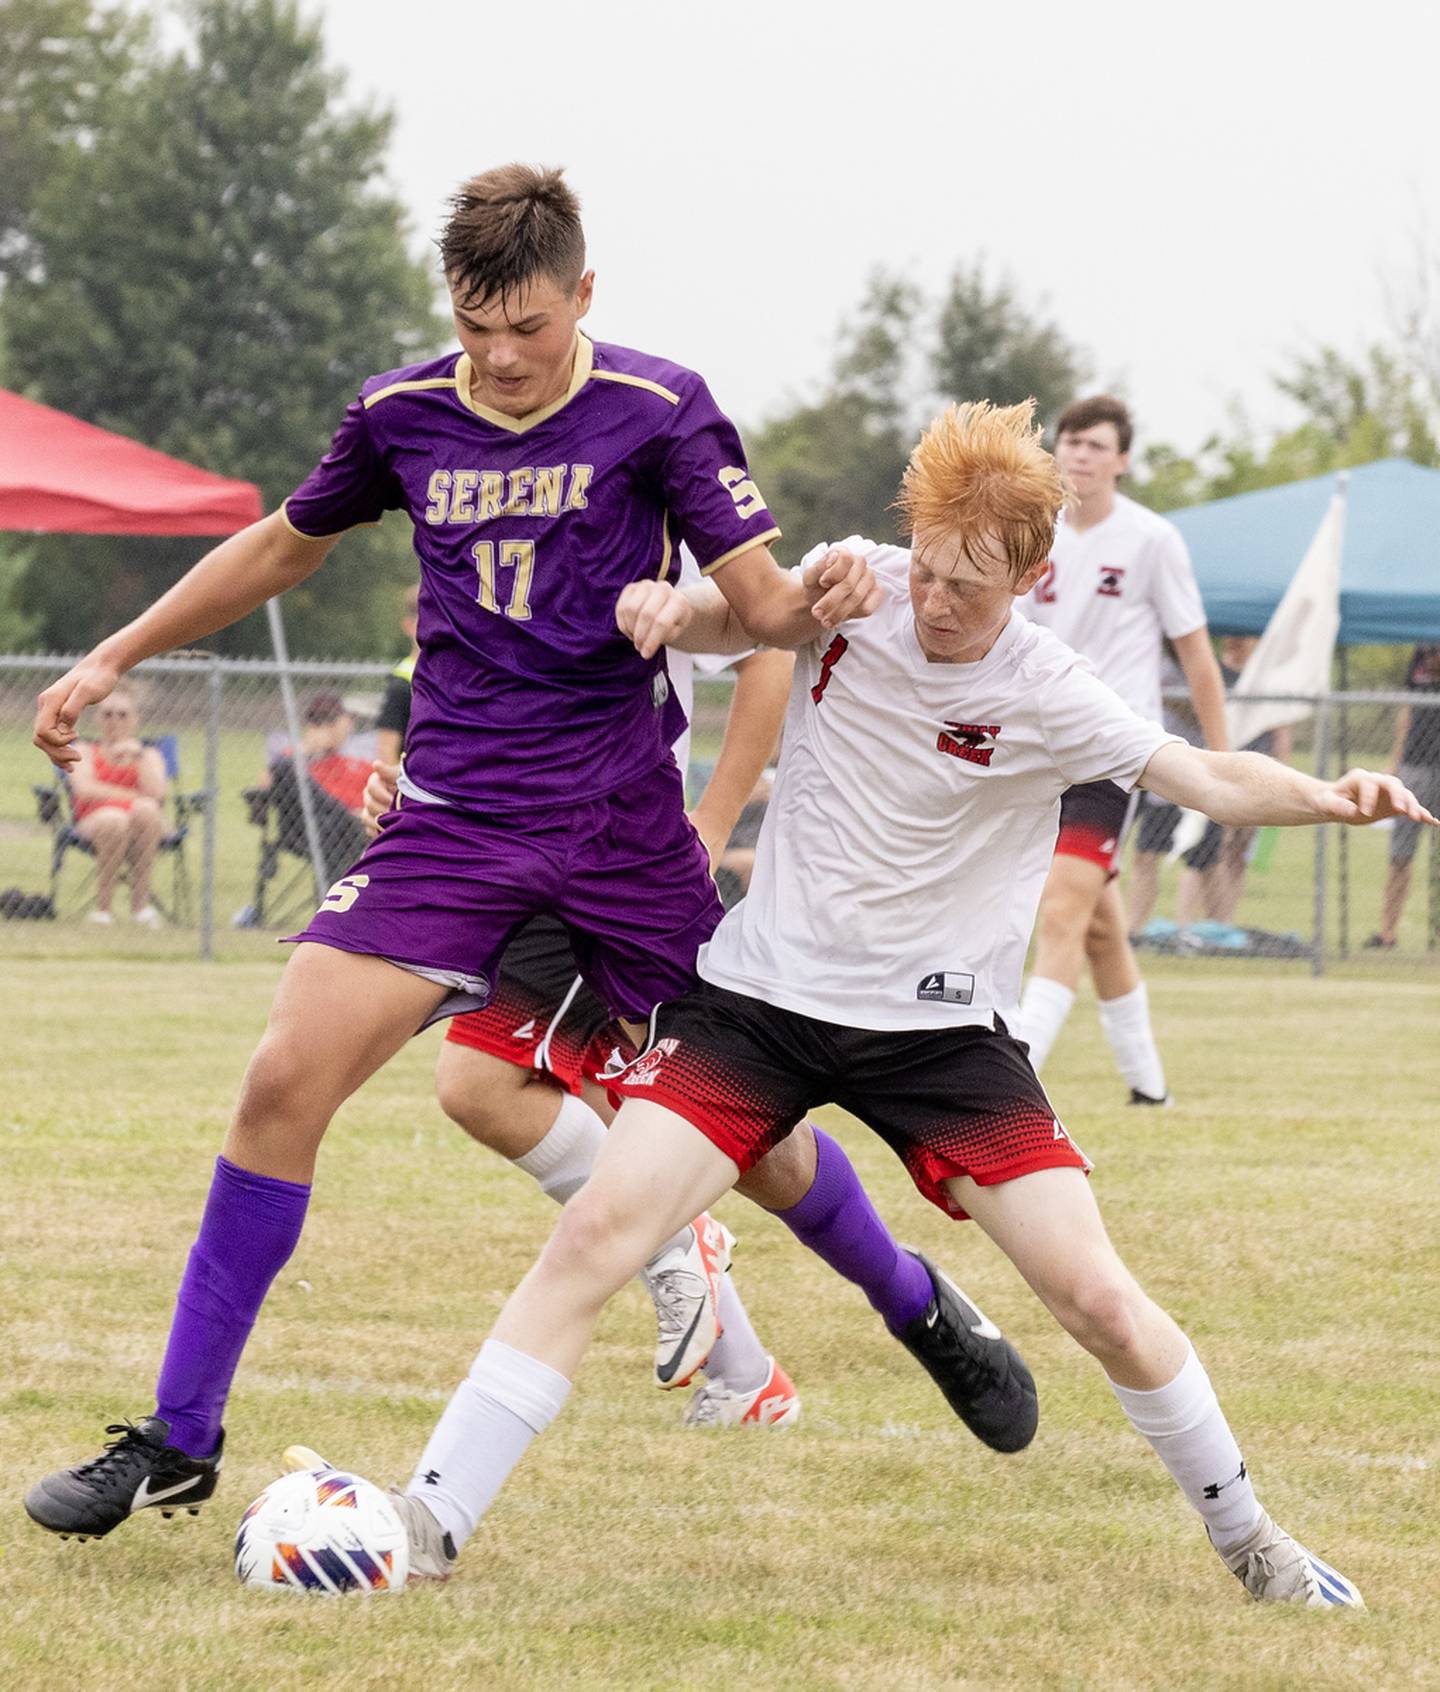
1246 549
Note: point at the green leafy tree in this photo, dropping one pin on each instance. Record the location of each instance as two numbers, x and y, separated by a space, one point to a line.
989 346
214 274
832 467
62 62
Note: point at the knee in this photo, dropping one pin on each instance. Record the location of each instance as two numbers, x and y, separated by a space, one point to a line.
600 1240
147 820
1100 1309
282 1088
479 1094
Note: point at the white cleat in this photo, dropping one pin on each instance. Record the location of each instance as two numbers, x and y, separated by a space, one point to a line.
773 1404
1277 1569
684 1284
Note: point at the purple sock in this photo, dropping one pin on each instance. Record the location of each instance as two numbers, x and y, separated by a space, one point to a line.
250 1227
837 1221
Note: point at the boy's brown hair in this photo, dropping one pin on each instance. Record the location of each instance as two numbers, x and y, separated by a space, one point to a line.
980 470
1084 414
506 227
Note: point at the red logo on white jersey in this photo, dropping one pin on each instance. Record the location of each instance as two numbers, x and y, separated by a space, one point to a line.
1112 580
643 1071
974 742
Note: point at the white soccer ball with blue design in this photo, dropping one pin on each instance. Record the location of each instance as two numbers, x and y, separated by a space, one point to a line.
322 1530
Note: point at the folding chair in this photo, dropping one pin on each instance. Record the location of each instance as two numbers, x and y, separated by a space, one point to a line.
55 805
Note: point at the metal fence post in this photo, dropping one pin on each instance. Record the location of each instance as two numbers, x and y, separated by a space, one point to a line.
216 682
1322 763
297 748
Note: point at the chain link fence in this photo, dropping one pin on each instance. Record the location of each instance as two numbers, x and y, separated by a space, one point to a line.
1311 894
233 859
240 834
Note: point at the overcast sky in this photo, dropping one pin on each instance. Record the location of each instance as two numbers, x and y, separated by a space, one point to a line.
1192 192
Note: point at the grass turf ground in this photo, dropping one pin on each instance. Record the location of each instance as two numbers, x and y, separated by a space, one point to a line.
1285 1212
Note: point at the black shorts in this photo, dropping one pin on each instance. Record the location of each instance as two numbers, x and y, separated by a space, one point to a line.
1093 821
541 1014
947 1101
1156 831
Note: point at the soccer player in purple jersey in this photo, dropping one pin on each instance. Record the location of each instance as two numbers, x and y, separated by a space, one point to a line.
543 473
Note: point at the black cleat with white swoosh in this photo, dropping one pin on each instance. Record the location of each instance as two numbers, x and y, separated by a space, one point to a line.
983 1377
136 1471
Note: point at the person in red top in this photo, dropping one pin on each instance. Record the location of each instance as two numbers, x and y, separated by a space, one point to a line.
118 788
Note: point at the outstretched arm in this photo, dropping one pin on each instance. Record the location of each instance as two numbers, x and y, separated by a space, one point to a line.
773 607
757 709
228 583
1244 788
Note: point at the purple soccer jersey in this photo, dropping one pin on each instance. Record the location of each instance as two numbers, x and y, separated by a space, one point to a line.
527 529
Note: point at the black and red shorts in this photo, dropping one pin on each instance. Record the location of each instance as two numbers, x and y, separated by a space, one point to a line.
947 1101
541 1015
1094 818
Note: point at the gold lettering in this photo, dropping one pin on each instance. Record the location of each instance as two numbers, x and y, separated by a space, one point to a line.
462 506
437 493
518 502
580 475
492 495
742 490
549 481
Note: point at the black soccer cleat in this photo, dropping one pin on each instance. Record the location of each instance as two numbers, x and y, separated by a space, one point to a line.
137 1471
1138 1098
983 1377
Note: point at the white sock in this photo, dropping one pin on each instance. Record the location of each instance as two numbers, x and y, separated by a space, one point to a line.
562 1161
1126 1022
1187 1428
1044 1005
738 1362
505 1400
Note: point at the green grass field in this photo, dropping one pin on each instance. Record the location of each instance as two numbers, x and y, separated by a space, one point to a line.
1285 1212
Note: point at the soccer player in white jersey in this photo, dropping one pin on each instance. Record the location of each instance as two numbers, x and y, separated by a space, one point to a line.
1119 579
874 964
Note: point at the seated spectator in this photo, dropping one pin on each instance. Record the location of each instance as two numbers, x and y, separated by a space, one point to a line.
1415 758
118 788
337 786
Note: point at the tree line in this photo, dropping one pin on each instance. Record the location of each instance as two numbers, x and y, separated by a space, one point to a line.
198 249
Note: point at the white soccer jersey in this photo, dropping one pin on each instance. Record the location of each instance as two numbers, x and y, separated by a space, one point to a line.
1113 590
914 818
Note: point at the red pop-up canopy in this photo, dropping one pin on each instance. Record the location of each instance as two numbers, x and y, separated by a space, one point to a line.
61 476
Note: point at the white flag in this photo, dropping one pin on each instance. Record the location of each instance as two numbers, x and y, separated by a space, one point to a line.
1298 645
1293 655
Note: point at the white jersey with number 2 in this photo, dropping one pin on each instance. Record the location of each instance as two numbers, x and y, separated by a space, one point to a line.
914 817
1113 590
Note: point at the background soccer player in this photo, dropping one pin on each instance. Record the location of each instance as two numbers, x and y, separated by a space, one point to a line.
1119 579
872 964
542 473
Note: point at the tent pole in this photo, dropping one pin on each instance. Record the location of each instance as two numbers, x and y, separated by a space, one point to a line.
1344 863
297 752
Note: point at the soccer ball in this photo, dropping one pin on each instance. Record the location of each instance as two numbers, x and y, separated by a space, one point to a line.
322 1530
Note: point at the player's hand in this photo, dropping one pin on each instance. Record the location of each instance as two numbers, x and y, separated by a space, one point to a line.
652 615
840 586
58 708
1362 796
380 791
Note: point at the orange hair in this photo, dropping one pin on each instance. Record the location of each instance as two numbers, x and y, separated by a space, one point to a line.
981 472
